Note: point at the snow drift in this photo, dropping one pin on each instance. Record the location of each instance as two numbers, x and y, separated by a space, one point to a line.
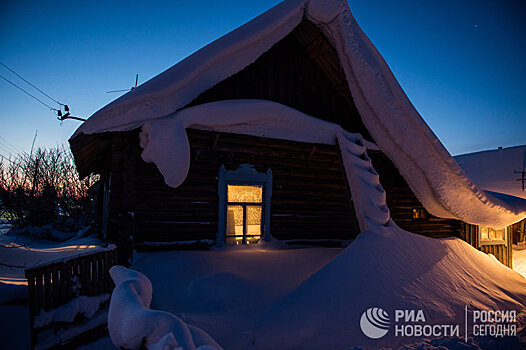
131 323
400 271
264 297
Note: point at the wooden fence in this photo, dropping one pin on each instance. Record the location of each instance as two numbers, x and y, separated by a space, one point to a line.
56 283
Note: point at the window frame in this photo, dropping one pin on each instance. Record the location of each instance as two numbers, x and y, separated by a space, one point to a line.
245 175
419 214
493 241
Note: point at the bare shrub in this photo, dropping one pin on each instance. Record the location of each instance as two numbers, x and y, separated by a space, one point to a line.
44 188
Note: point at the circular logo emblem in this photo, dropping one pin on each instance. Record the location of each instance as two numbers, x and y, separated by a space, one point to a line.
374 323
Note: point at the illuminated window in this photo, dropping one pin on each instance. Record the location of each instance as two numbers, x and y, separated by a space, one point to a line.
243 214
490 236
245 194
419 213
244 205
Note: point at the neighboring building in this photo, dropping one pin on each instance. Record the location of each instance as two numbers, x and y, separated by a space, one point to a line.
292 127
500 172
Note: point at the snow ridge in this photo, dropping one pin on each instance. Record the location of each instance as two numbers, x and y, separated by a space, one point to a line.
368 195
131 321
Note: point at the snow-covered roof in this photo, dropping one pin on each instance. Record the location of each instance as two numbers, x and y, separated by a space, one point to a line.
496 170
393 122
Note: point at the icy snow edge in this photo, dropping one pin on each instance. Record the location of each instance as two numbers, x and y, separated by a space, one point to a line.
397 128
131 321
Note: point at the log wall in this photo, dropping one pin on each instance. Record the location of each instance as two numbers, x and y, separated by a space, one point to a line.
518 232
503 252
401 202
309 197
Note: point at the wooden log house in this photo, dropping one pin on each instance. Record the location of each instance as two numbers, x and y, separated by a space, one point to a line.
296 192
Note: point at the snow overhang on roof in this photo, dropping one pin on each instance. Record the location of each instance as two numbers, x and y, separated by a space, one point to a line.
393 122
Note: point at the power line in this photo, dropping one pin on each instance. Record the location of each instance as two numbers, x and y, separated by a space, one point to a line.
42 92
11 146
6 146
18 87
61 117
9 160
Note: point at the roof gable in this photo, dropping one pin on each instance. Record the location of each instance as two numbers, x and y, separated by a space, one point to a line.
301 71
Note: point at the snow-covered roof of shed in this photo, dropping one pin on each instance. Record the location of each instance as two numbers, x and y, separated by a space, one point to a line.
496 170
393 122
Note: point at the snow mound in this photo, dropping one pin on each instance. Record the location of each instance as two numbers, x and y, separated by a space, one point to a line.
313 298
131 321
400 271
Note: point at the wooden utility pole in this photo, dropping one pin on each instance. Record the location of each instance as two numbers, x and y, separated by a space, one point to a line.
522 178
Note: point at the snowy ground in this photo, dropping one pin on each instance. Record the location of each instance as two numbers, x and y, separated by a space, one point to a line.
21 252
263 297
24 251
266 296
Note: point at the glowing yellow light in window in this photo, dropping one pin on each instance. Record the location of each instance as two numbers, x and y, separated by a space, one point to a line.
419 213
245 194
489 234
234 220
253 220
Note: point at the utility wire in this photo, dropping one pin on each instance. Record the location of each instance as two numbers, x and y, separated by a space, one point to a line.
3 151
9 160
42 92
10 148
18 150
18 87
4 146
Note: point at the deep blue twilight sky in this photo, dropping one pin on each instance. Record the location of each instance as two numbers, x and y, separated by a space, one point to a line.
462 63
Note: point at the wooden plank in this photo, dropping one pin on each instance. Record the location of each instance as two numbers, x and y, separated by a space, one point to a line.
55 283
47 305
100 273
31 289
64 276
108 263
39 292
32 306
